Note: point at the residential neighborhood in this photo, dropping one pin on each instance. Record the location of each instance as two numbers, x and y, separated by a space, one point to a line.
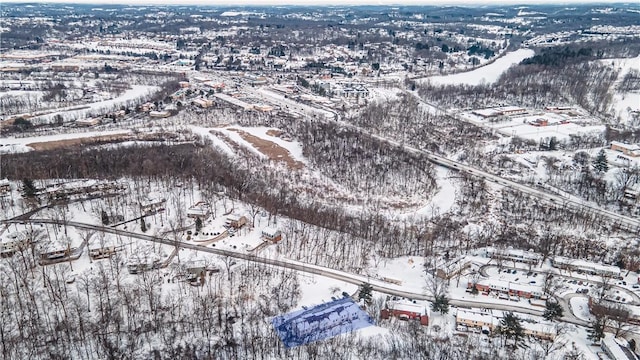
320 181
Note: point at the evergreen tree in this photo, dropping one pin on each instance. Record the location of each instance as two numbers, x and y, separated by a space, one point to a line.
474 290
600 163
105 218
143 225
364 293
28 188
511 328
596 331
553 311
198 224
440 304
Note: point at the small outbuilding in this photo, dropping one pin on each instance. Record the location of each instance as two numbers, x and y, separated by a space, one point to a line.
272 234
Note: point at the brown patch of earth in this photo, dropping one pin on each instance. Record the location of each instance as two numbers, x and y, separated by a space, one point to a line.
93 140
274 132
272 150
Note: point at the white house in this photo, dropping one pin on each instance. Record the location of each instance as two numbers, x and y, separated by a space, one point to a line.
201 210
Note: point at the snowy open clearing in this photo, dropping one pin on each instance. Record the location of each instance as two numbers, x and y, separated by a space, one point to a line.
625 102
18 145
580 307
441 202
207 134
262 141
487 74
135 93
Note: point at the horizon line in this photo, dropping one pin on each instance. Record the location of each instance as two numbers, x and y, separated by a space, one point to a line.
327 3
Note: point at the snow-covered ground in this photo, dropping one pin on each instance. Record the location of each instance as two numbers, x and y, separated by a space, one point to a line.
18 145
137 92
580 307
441 202
293 147
520 125
487 74
207 134
624 102
384 94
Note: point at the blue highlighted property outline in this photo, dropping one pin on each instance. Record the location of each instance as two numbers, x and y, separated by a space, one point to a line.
320 322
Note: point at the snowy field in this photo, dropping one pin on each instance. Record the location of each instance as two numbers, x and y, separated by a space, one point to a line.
136 93
442 202
625 102
21 144
560 131
520 126
487 74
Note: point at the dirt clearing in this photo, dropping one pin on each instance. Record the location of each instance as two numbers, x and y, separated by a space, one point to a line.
272 150
94 140
274 132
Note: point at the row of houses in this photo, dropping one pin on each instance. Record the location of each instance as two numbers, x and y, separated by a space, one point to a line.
54 249
510 290
143 261
486 322
561 262
66 190
515 255
152 206
102 252
588 267
57 249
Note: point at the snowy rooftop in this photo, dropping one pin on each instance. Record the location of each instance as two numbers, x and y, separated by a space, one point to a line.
270 231
487 112
510 108
12 237
630 147
585 264
475 315
619 352
514 253
199 209
406 305
540 326
510 285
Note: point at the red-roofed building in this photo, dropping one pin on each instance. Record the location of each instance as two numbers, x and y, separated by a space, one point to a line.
406 310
